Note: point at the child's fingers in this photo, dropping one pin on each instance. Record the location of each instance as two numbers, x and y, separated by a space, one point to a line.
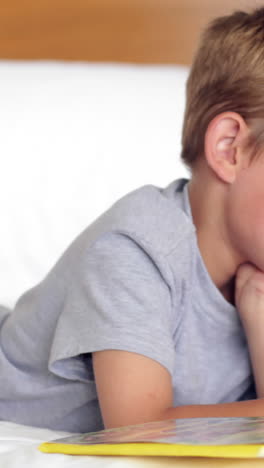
248 272
244 272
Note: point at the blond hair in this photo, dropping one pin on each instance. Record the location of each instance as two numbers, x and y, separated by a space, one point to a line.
227 74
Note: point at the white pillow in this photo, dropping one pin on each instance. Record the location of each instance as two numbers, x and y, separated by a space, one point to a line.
75 138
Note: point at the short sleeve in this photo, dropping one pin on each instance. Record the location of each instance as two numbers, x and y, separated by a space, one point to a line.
118 300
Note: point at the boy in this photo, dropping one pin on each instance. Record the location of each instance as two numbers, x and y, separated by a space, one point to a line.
223 147
156 310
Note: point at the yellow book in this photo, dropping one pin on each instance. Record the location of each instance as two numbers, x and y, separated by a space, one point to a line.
192 437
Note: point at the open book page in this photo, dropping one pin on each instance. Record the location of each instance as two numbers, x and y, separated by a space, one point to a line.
191 431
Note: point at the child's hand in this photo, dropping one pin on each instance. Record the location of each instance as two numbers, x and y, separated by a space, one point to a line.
249 295
249 299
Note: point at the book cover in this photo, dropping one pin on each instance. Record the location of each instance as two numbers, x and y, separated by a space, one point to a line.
200 437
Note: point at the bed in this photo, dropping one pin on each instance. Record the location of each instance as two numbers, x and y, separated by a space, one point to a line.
91 91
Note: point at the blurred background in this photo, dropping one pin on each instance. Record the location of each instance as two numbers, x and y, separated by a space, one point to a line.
141 31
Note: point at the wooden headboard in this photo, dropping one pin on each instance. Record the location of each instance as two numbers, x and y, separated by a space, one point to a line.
137 31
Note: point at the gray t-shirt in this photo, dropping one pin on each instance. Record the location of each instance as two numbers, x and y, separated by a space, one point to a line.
134 280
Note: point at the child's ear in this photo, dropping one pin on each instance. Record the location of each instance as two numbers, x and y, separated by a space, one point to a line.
223 150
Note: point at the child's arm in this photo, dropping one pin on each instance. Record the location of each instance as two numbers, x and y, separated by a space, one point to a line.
250 305
222 410
133 389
